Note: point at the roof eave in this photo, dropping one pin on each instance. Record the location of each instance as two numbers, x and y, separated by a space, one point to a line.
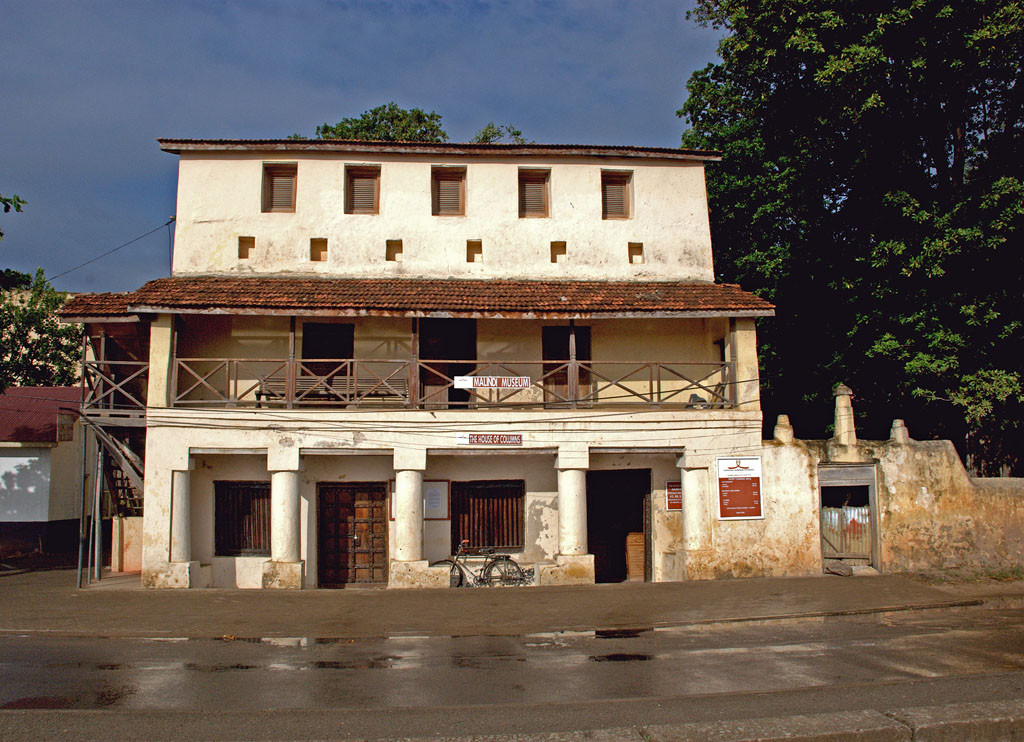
445 314
451 149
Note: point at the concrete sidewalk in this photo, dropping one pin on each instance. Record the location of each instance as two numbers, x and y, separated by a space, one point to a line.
48 602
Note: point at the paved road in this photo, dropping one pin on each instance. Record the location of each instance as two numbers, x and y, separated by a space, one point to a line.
387 688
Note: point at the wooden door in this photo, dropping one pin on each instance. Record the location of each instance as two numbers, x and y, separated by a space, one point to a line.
555 353
352 534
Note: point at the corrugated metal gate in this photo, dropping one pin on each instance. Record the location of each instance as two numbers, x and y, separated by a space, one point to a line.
848 521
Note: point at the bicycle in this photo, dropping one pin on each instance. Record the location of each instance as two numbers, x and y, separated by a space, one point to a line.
497 569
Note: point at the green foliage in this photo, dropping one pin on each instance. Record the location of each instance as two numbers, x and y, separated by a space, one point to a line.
387 123
872 186
35 349
492 134
12 279
10 202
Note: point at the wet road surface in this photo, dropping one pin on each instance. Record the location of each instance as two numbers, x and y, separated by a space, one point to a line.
491 684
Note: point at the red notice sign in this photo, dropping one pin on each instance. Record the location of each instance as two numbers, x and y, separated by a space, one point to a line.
673 495
739 488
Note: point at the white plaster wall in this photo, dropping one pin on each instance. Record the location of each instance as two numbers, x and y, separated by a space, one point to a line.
24 484
219 200
66 476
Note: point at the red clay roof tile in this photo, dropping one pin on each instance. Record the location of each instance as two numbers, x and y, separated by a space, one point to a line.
412 297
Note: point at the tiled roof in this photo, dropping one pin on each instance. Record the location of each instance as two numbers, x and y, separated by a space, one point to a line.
419 297
28 414
461 149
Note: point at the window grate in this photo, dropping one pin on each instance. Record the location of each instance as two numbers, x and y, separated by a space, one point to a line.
488 514
241 518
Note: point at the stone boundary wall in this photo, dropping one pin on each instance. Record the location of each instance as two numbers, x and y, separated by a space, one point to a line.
931 514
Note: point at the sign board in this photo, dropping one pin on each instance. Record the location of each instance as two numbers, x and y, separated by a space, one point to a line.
489 439
739 488
673 495
436 500
493 382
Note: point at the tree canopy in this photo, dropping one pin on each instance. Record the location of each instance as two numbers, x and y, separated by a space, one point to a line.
492 133
387 123
872 186
35 348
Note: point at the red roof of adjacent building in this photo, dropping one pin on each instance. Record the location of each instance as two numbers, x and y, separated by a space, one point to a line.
28 414
423 297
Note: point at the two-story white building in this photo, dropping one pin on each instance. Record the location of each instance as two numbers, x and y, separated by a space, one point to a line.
368 352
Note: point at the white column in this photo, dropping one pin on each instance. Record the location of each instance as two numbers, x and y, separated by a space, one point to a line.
408 515
572 512
284 516
181 519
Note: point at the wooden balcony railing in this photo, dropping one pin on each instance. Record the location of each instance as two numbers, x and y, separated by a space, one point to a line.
114 386
419 384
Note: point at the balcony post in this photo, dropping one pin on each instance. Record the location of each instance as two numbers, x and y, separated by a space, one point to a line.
289 371
414 365
574 369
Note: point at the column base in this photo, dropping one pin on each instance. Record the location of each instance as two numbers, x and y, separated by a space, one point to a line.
416 574
175 575
567 570
283 575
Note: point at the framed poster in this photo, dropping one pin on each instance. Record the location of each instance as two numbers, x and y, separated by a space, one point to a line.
436 500
673 495
739 488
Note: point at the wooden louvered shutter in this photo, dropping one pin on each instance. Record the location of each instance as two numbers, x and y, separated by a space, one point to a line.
361 191
447 192
614 195
533 193
279 187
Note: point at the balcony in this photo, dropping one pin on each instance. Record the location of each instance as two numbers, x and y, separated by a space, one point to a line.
348 383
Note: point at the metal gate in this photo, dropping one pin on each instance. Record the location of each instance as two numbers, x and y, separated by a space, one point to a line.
848 520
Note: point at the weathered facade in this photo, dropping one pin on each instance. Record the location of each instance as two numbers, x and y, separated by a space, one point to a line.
368 352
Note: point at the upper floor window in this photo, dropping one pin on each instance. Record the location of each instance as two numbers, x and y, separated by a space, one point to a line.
615 194
448 191
362 190
533 193
279 186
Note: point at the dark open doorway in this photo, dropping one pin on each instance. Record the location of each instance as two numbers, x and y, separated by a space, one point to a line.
446 340
618 524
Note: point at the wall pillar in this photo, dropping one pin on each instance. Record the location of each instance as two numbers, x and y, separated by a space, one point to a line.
741 351
181 517
161 360
286 567
695 477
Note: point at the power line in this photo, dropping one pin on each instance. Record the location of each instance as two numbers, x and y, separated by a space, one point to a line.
112 251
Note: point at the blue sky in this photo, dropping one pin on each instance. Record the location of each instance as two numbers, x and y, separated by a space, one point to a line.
88 86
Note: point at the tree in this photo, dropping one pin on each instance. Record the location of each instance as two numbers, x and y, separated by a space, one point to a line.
10 202
872 186
387 123
492 134
35 349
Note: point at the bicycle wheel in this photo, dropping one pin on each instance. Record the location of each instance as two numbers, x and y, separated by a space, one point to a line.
454 572
503 572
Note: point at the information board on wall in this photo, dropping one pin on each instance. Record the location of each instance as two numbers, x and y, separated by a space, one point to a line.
673 495
436 500
739 488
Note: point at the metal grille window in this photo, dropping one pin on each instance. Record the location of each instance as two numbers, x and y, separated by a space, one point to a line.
279 187
533 193
488 513
241 518
362 189
615 200
448 191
